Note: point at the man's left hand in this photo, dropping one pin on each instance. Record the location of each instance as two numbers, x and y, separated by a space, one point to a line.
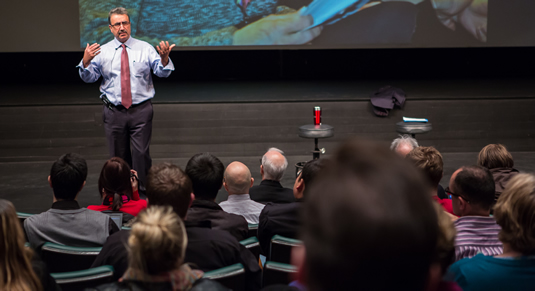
164 49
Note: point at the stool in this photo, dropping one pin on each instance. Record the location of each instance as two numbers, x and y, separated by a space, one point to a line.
413 128
316 132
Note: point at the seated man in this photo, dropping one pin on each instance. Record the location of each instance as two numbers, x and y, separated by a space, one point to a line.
284 219
429 160
368 223
66 222
237 182
206 174
274 164
472 191
208 249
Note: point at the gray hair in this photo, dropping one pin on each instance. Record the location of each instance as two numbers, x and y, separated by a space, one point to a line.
404 139
273 171
118 10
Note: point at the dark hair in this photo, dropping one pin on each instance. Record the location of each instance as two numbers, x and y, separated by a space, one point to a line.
367 215
168 185
117 10
476 184
495 156
114 181
311 170
206 173
68 175
429 160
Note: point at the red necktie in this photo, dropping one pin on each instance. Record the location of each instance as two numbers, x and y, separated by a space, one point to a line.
126 93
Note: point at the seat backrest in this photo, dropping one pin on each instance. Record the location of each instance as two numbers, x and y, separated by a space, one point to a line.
253 245
60 258
232 277
79 280
281 248
253 230
22 217
277 273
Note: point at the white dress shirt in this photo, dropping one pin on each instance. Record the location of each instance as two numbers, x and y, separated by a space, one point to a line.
241 204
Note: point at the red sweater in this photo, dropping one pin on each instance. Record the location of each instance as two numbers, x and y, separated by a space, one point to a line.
445 203
132 207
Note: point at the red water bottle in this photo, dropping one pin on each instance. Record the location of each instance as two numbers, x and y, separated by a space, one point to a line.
317 115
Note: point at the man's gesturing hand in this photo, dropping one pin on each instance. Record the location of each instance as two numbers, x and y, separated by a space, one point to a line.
90 52
164 49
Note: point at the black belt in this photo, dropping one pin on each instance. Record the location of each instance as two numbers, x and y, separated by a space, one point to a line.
110 105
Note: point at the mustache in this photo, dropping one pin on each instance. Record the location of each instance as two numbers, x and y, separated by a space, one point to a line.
122 31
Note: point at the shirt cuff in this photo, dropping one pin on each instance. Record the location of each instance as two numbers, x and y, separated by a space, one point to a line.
170 66
81 65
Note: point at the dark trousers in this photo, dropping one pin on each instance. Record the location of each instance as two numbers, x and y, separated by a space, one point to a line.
133 126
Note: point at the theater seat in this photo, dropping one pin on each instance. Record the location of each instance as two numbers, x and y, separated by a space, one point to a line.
253 230
253 245
232 277
79 280
60 258
281 248
22 216
277 273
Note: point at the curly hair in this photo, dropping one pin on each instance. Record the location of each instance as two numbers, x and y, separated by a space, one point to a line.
515 213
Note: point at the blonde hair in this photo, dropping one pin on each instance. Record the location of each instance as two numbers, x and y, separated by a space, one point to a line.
16 271
445 250
495 156
515 213
157 241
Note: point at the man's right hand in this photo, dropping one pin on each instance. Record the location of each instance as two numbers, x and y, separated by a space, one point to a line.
278 30
90 52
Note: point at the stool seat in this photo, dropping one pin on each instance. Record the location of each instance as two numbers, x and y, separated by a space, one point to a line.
316 131
413 127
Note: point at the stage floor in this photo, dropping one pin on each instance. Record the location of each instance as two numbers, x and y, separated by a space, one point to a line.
25 183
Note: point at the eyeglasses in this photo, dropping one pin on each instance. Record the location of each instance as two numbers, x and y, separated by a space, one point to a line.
447 190
118 24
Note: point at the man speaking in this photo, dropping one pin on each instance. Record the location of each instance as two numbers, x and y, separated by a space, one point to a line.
124 64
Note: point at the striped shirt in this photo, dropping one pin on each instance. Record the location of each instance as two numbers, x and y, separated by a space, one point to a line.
477 234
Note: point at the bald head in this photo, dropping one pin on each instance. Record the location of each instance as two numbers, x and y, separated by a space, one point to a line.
237 179
273 165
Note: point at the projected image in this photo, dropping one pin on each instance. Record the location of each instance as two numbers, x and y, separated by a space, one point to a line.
317 23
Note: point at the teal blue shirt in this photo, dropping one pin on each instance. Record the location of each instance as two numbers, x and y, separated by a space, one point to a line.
487 273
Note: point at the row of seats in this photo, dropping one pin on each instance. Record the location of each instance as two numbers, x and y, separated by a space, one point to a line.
71 266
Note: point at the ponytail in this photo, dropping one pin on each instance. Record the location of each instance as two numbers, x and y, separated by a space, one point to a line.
117 202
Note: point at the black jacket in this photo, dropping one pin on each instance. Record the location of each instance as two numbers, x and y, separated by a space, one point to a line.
202 210
208 249
131 285
271 191
281 219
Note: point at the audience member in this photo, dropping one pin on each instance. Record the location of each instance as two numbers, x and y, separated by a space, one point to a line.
274 164
117 186
368 223
499 161
444 252
472 191
208 249
515 268
403 145
20 269
156 248
237 182
284 219
429 160
66 222
206 174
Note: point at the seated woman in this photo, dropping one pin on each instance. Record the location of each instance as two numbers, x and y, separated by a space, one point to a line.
20 269
499 161
515 268
157 246
117 185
